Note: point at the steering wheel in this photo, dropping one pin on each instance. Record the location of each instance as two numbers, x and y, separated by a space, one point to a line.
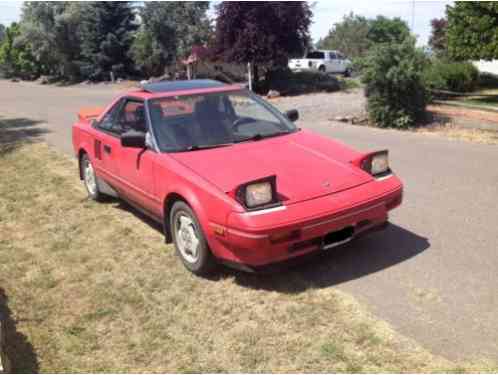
240 121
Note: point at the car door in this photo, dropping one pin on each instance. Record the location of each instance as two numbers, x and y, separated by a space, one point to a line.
136 165
333 62
107 144
341 63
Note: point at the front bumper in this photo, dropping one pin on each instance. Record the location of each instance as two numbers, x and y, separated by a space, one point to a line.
254 239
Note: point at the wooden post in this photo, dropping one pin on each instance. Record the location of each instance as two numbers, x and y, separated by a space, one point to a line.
5 366
189 71
249 75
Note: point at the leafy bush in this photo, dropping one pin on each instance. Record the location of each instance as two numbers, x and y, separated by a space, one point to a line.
451 76
395 90
294 83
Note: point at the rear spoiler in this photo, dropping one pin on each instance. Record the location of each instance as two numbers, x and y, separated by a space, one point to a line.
89 113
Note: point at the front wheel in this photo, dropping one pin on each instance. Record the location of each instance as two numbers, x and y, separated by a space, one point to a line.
90 178
190 243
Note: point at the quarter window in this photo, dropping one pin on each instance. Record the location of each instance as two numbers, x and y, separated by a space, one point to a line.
108 122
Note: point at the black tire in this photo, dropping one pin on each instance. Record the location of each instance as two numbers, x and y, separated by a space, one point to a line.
93 193
204 262
322 69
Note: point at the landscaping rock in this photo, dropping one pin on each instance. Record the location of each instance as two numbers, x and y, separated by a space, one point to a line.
273 94
4 361
44 80
343 118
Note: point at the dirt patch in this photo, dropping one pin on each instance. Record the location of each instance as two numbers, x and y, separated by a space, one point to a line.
459 133
474 114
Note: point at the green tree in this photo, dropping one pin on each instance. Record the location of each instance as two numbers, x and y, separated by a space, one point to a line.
147 54
106 33
348 36
387 30
473 30
16 60
2 32
171 29
51 29
395 88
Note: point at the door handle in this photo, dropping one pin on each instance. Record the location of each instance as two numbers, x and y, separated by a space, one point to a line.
107 149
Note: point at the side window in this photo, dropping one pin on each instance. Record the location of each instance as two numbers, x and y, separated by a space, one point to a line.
132 117
332 56
108 122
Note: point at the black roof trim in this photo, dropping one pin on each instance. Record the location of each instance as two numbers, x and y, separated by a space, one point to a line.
168 86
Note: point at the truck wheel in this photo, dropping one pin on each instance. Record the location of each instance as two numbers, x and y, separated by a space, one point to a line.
322 69
90 179
190 243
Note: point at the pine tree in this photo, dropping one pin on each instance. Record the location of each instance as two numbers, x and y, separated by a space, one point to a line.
106 33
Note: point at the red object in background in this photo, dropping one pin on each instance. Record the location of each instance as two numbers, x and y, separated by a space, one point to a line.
323 197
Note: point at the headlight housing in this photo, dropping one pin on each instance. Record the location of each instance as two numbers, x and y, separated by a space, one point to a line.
258 194
377 163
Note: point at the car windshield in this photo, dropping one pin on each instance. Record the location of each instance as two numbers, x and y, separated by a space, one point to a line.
193 122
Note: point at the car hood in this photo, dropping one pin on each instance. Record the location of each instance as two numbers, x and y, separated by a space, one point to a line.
306 165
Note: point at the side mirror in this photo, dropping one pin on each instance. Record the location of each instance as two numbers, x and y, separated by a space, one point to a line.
292 115
133 138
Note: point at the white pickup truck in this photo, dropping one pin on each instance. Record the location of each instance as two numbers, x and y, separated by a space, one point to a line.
323 61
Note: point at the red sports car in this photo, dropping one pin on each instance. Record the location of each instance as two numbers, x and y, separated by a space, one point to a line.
230 178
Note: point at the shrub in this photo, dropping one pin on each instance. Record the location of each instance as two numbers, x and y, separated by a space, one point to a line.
395 90
295 83
451 76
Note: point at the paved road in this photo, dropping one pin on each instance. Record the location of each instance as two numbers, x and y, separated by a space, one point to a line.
433 274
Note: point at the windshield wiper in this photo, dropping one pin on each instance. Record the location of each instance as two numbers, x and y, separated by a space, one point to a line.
259 136
205 147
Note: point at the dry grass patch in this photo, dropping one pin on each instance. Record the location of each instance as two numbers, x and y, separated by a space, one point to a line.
94 289
455 132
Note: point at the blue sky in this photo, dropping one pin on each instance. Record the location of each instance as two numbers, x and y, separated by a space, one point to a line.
326 13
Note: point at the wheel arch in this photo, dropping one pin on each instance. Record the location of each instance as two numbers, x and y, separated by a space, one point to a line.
191 200
81 152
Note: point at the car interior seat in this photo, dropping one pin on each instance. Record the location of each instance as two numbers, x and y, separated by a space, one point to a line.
211 122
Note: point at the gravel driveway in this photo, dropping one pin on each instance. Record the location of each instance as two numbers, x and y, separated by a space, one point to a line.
432 274
324 106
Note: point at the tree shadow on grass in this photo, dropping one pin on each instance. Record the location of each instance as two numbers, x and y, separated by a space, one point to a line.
15 132
19 350
361 257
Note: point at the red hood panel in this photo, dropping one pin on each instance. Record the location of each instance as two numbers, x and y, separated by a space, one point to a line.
306 165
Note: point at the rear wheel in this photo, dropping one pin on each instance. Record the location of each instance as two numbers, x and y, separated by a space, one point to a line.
90 178
190 243
322 69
